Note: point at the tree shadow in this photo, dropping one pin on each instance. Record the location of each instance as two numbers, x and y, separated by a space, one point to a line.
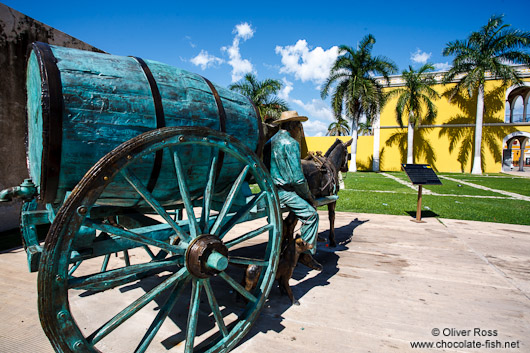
461 138
423 150
382 158
399 139
366 166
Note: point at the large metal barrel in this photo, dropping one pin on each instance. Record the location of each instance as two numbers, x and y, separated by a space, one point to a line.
82 104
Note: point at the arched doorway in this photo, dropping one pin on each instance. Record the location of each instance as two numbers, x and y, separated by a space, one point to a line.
517 98
516 154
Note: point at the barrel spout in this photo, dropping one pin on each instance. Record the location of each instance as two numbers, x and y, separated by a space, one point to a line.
26 191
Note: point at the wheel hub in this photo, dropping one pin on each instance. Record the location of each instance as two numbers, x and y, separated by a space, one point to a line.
206 256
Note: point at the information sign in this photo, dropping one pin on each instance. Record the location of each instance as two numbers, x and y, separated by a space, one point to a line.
421 174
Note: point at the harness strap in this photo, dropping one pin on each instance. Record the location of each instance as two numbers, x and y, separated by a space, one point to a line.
325 166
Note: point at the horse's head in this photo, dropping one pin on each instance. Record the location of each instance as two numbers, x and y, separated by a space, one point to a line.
338 154
324 181
345 156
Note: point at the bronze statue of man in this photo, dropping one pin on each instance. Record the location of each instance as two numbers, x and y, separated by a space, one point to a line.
282 156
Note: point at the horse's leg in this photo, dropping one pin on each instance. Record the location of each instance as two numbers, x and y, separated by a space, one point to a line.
331 215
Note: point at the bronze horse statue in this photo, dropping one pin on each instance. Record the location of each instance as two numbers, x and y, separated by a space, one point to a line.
321 173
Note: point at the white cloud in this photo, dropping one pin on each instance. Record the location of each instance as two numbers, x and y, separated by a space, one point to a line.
240 66
316 109
315 128
318 112
205 60
442 66
243 31
286 90
305 64
420 57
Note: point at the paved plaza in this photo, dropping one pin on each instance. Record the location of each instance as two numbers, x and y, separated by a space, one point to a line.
390 283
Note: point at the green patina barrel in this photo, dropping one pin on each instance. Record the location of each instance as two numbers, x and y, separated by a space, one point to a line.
82 104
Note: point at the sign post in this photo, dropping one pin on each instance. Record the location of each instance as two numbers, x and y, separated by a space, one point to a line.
418 209
420 174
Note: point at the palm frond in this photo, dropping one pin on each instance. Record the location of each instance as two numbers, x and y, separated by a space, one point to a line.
262 94
351 83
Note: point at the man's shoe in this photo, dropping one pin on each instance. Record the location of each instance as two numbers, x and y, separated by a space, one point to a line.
309 261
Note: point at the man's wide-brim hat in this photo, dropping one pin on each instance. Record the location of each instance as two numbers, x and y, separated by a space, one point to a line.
289 115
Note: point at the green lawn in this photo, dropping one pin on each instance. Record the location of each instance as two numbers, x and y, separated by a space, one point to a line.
448 187
504 182
365 199
376 202
454 188
478 177
368 192
373 181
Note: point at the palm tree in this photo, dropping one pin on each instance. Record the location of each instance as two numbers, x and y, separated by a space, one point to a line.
356 91
493 49
365 128
413 99
461 139
338 128
263 94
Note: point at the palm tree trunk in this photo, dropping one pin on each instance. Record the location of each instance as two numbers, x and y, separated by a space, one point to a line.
410 143
353 162
477 161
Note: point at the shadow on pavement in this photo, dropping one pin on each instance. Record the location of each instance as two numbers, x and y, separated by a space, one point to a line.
271 318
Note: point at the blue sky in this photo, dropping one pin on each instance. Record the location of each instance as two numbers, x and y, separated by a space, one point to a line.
292 41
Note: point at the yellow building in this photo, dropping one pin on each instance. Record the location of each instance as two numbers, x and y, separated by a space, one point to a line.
447 144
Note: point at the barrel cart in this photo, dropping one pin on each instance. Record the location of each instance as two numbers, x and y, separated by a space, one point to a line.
143 172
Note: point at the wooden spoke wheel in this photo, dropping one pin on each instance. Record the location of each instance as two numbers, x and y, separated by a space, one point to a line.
176 286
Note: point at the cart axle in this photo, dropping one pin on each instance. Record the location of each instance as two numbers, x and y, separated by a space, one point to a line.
206 256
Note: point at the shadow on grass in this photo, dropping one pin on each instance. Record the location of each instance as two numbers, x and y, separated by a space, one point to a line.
424 214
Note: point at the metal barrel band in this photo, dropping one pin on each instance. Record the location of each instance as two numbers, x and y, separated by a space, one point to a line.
160 120
222 119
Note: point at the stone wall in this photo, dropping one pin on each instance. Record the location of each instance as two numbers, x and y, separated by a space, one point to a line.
17 32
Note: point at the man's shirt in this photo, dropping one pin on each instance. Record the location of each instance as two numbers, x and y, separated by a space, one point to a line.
285 165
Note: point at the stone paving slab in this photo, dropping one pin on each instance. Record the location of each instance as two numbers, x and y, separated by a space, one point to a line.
524 174
388 283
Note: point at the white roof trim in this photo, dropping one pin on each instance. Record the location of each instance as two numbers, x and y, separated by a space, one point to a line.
397 80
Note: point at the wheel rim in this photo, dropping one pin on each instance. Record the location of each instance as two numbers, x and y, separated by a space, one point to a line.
198 251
